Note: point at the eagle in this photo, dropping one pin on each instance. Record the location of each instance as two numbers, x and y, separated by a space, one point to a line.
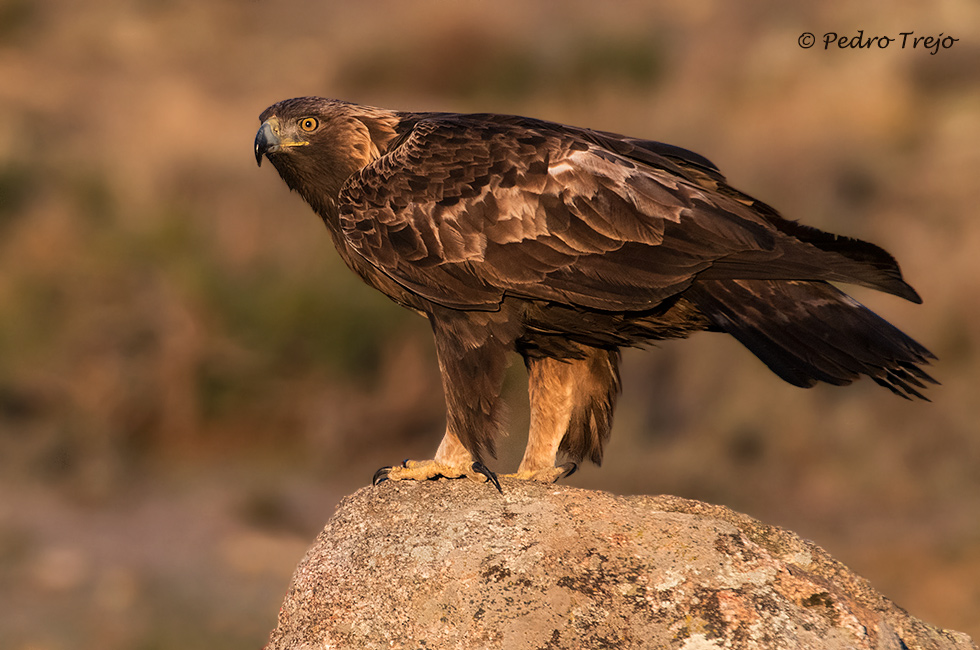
565 245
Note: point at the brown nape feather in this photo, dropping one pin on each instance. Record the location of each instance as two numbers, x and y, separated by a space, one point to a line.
565 244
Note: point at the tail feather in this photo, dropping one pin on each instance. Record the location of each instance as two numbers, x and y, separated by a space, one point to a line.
807 332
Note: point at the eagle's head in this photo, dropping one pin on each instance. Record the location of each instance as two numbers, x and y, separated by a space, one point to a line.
316 144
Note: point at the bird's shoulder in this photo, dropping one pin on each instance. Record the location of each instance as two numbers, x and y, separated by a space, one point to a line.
501 134
448 159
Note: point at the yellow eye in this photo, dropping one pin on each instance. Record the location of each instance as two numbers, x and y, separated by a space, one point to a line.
309 124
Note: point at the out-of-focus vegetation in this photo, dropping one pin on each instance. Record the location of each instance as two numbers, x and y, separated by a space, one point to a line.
190 378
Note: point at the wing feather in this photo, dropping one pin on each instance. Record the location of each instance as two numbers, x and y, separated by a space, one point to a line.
468 209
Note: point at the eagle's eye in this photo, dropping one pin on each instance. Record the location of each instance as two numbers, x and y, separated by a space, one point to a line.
309 124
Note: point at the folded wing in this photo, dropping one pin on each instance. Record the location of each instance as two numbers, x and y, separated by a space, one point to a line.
468 209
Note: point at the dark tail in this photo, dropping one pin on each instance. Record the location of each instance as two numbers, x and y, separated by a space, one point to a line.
809 331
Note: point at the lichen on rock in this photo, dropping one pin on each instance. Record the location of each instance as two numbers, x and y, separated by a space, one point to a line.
453 564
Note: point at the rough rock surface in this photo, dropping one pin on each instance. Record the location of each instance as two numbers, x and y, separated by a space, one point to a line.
455 564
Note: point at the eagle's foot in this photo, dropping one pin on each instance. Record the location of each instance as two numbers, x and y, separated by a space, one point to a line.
546 475
426 470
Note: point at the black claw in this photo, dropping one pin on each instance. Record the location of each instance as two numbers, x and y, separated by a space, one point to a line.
380 476
491 477
570 468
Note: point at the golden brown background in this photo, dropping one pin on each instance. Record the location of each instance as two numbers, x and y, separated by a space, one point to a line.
190 380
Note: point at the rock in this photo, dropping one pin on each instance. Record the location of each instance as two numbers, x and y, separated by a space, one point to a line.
455 564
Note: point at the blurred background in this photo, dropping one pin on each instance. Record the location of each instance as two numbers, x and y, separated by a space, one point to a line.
190 379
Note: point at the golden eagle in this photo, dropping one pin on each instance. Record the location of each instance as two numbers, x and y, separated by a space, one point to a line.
565 244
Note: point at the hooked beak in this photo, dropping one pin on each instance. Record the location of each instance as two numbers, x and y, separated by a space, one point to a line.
267 140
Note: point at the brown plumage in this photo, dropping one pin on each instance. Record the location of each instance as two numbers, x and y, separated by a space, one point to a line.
565 244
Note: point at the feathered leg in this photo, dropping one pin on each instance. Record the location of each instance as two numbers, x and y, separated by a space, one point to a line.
572 403
472 359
